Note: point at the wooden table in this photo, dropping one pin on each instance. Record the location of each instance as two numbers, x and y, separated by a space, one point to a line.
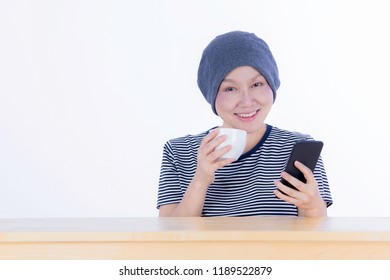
195 238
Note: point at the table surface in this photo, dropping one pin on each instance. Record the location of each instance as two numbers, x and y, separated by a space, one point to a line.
196 229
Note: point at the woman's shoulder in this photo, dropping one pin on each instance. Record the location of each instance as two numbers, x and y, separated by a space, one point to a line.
184 148
188 140
283 135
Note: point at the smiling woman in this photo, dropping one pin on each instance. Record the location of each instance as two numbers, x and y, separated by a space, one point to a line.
239 77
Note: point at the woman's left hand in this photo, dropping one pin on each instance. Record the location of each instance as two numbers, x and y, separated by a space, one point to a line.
307 196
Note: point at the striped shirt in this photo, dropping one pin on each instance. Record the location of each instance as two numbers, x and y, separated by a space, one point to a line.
242 188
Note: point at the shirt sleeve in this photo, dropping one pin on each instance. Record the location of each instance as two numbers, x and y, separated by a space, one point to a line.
322 180
169 190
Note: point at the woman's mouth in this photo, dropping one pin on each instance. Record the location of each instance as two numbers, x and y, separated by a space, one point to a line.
247 116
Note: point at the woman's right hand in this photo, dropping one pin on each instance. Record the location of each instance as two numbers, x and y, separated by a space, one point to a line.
209 158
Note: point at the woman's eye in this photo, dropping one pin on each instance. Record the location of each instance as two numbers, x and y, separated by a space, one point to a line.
258 84
229 89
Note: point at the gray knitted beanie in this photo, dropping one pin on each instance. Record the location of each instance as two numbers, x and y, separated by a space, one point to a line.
229 51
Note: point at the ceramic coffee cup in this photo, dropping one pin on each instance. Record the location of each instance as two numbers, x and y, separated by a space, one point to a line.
236 138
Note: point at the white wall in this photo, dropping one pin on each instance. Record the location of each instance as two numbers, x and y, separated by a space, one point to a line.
91 90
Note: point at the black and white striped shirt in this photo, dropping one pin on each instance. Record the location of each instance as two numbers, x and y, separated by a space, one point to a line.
242 188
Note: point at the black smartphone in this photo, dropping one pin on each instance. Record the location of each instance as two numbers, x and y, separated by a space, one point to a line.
306 152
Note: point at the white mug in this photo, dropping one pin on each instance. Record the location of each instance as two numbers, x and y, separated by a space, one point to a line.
236 138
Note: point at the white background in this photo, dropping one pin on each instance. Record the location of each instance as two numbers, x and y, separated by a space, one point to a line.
91 90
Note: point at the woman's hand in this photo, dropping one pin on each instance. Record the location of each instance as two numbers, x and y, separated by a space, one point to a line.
209 158
307 196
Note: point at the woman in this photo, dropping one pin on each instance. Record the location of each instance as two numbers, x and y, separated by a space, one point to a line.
239 77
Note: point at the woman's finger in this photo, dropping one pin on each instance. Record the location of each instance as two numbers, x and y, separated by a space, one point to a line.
287 191
306 171
216 154
211 146
293 181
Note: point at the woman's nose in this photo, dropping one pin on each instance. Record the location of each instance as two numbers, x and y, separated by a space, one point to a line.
246 98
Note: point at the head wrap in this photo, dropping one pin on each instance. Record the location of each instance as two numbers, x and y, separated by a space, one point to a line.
229 51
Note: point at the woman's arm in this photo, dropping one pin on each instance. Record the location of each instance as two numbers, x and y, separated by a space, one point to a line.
208 162
192 203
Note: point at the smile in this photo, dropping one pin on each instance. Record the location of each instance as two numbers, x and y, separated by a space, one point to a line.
248 116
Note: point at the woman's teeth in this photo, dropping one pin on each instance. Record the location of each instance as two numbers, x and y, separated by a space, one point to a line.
247 115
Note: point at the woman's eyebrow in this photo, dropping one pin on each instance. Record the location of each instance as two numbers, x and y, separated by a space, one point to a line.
257 76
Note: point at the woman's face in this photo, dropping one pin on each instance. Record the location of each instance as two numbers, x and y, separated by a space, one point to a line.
244 99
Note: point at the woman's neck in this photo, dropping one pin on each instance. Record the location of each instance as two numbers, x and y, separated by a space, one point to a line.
253 138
